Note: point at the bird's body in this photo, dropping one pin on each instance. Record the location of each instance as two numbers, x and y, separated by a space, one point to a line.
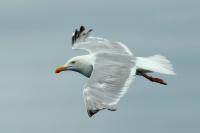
110 67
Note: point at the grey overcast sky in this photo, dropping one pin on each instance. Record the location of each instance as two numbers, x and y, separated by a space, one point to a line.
35 38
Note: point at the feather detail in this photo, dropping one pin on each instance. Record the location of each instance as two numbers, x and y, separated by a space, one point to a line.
80 35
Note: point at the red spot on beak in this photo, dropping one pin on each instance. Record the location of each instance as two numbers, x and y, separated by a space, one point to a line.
59 69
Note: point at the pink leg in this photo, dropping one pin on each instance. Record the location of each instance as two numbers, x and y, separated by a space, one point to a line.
157 80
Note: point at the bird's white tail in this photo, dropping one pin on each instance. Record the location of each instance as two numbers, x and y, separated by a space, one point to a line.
156 63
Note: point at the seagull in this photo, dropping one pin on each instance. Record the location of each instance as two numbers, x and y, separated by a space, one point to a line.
110 68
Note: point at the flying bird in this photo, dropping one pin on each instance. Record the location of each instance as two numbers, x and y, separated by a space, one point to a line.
110 67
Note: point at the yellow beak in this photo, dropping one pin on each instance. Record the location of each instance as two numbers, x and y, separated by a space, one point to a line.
59 69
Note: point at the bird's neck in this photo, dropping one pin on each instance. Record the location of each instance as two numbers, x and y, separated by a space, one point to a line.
86 71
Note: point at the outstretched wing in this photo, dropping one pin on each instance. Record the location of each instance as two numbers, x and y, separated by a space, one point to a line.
110 79
81 39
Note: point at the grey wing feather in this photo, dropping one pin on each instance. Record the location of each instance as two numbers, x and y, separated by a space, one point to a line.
109 81
83 40
96 44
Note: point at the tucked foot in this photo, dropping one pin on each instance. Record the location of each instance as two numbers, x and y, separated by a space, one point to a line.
152 79
157 80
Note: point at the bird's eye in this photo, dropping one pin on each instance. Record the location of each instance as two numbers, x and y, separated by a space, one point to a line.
73 62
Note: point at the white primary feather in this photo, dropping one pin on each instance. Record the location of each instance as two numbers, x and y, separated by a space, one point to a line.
156 63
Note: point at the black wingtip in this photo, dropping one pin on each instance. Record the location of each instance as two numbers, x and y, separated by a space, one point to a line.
90 30
80 33
82 28
92 112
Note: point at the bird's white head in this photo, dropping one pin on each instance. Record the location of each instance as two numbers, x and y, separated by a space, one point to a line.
82 64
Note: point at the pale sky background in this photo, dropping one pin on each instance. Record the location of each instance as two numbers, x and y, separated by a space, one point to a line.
35 38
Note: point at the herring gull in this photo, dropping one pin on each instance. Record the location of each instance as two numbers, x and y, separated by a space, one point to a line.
110 67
